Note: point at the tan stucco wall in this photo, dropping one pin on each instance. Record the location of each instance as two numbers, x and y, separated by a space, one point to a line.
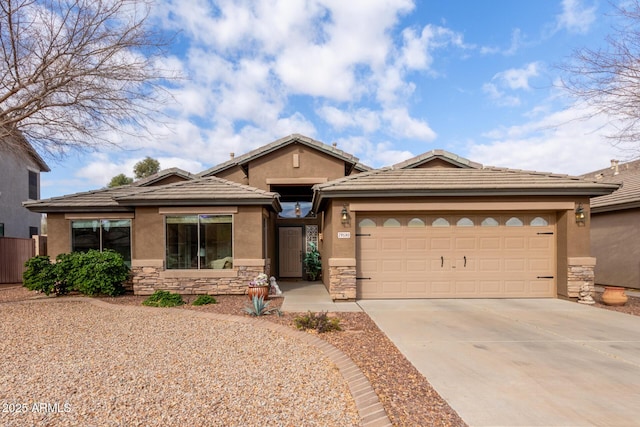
280 164
615 242
235 174
148 234
58 235
168 180
247 229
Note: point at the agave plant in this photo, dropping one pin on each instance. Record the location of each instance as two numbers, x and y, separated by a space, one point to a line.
259 307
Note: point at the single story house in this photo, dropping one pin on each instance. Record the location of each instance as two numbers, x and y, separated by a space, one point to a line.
615 226
435 226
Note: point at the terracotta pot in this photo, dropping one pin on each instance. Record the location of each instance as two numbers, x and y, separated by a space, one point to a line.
258 291
614 295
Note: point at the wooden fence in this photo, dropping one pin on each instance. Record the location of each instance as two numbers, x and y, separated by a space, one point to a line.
13 254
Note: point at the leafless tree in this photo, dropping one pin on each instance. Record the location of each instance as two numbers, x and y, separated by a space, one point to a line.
71 71
607 79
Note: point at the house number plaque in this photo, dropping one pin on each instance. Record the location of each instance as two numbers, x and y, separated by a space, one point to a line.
344 234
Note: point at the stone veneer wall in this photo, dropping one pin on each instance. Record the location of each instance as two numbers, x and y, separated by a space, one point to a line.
342 278
150 276
580 271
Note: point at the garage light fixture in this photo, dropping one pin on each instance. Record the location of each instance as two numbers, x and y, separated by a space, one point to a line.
298 212
580 215
344 215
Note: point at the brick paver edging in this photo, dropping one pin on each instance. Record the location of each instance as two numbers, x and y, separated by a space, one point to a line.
371 411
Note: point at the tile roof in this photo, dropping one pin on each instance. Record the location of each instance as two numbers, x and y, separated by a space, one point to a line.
627 196
25 148
420 159
209 191
391 182
282 142
163 174
96 200
202 191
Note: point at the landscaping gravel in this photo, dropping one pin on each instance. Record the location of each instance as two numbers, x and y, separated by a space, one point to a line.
406 395
70 363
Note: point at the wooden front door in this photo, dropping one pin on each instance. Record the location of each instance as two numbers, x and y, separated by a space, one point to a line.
290 251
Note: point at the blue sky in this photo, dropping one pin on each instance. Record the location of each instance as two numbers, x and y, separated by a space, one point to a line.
385 80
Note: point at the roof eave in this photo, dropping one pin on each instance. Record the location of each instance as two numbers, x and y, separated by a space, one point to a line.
615 207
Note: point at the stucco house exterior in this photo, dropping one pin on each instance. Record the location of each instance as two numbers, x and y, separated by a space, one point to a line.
20 169
435 226
615 226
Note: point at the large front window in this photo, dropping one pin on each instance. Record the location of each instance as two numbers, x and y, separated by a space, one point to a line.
101 234
199 242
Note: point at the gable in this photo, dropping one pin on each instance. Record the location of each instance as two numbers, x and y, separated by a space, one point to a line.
437 159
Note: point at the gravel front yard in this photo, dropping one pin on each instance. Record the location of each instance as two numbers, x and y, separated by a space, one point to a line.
406 395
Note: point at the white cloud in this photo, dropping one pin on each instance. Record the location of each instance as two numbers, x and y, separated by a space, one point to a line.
403 125
512 79
374 154
516 42
560 142
576 17
362 118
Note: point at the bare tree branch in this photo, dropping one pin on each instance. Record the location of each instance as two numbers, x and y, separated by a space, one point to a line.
71 71
608 79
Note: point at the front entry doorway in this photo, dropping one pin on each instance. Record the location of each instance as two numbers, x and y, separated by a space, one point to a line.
290 252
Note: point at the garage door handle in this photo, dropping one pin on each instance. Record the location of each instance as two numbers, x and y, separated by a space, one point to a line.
465 261
545 277
441 261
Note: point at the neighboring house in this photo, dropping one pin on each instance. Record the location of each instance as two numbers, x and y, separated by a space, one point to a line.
20 168
436 226
615 226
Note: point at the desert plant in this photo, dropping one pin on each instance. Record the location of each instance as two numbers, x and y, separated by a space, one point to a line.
312 262
259 307
320 322
204 300
163 299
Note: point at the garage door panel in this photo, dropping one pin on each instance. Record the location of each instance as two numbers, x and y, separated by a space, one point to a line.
419 260
514 243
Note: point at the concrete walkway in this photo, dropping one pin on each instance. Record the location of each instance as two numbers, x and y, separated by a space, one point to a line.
302 296
540 362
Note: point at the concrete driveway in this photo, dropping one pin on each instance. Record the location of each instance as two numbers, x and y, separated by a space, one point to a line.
540 362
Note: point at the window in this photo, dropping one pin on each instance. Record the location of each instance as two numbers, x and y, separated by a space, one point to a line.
33 185
366 223
440 222
101 234
391 222
1 229
33 231
539 222
199 242
464 222
514 222
489 222
416 222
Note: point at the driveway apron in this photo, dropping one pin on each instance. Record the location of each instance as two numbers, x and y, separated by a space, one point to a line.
524 362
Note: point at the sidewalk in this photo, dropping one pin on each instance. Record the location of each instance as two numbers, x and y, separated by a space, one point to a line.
301 296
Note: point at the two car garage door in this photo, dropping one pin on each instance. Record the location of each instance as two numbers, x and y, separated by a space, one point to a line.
456 256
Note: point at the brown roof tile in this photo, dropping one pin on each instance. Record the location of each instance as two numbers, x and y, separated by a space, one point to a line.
627 196
392 182
454 159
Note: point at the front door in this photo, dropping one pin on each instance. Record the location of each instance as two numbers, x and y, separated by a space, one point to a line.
290 251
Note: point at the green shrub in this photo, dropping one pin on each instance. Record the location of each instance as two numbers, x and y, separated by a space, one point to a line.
320 322
163 299
204 300
40 275
90 273
94 272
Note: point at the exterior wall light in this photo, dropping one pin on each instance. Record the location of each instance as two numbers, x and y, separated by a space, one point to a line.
298 210
580 215
344 215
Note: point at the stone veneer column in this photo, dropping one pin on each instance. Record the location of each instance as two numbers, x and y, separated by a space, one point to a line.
580 270
342 278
